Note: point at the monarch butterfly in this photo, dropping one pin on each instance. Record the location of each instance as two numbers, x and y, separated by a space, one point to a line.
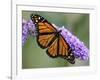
50 38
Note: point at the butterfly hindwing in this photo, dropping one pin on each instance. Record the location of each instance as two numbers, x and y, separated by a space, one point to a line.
65 50
70 58
52 50
63 47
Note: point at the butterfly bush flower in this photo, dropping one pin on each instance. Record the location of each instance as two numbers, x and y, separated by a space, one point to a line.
78 47
27 28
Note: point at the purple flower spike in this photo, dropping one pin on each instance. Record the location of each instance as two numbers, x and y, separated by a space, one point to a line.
27 27
24 32
78 47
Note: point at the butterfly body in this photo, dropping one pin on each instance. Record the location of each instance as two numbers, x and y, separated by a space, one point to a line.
50 38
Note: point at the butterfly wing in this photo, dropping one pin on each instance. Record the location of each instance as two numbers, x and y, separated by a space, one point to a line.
65 50
63 47
52 50
46 32
45 40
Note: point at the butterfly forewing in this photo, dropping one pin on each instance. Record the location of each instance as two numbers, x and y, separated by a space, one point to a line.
45 27
42 25
45 31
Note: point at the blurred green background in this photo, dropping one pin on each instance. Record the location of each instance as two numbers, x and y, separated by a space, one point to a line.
35 57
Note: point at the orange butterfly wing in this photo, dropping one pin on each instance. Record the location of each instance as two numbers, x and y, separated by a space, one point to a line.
52 50
63 47
65 50
46 34
44 40
45 31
